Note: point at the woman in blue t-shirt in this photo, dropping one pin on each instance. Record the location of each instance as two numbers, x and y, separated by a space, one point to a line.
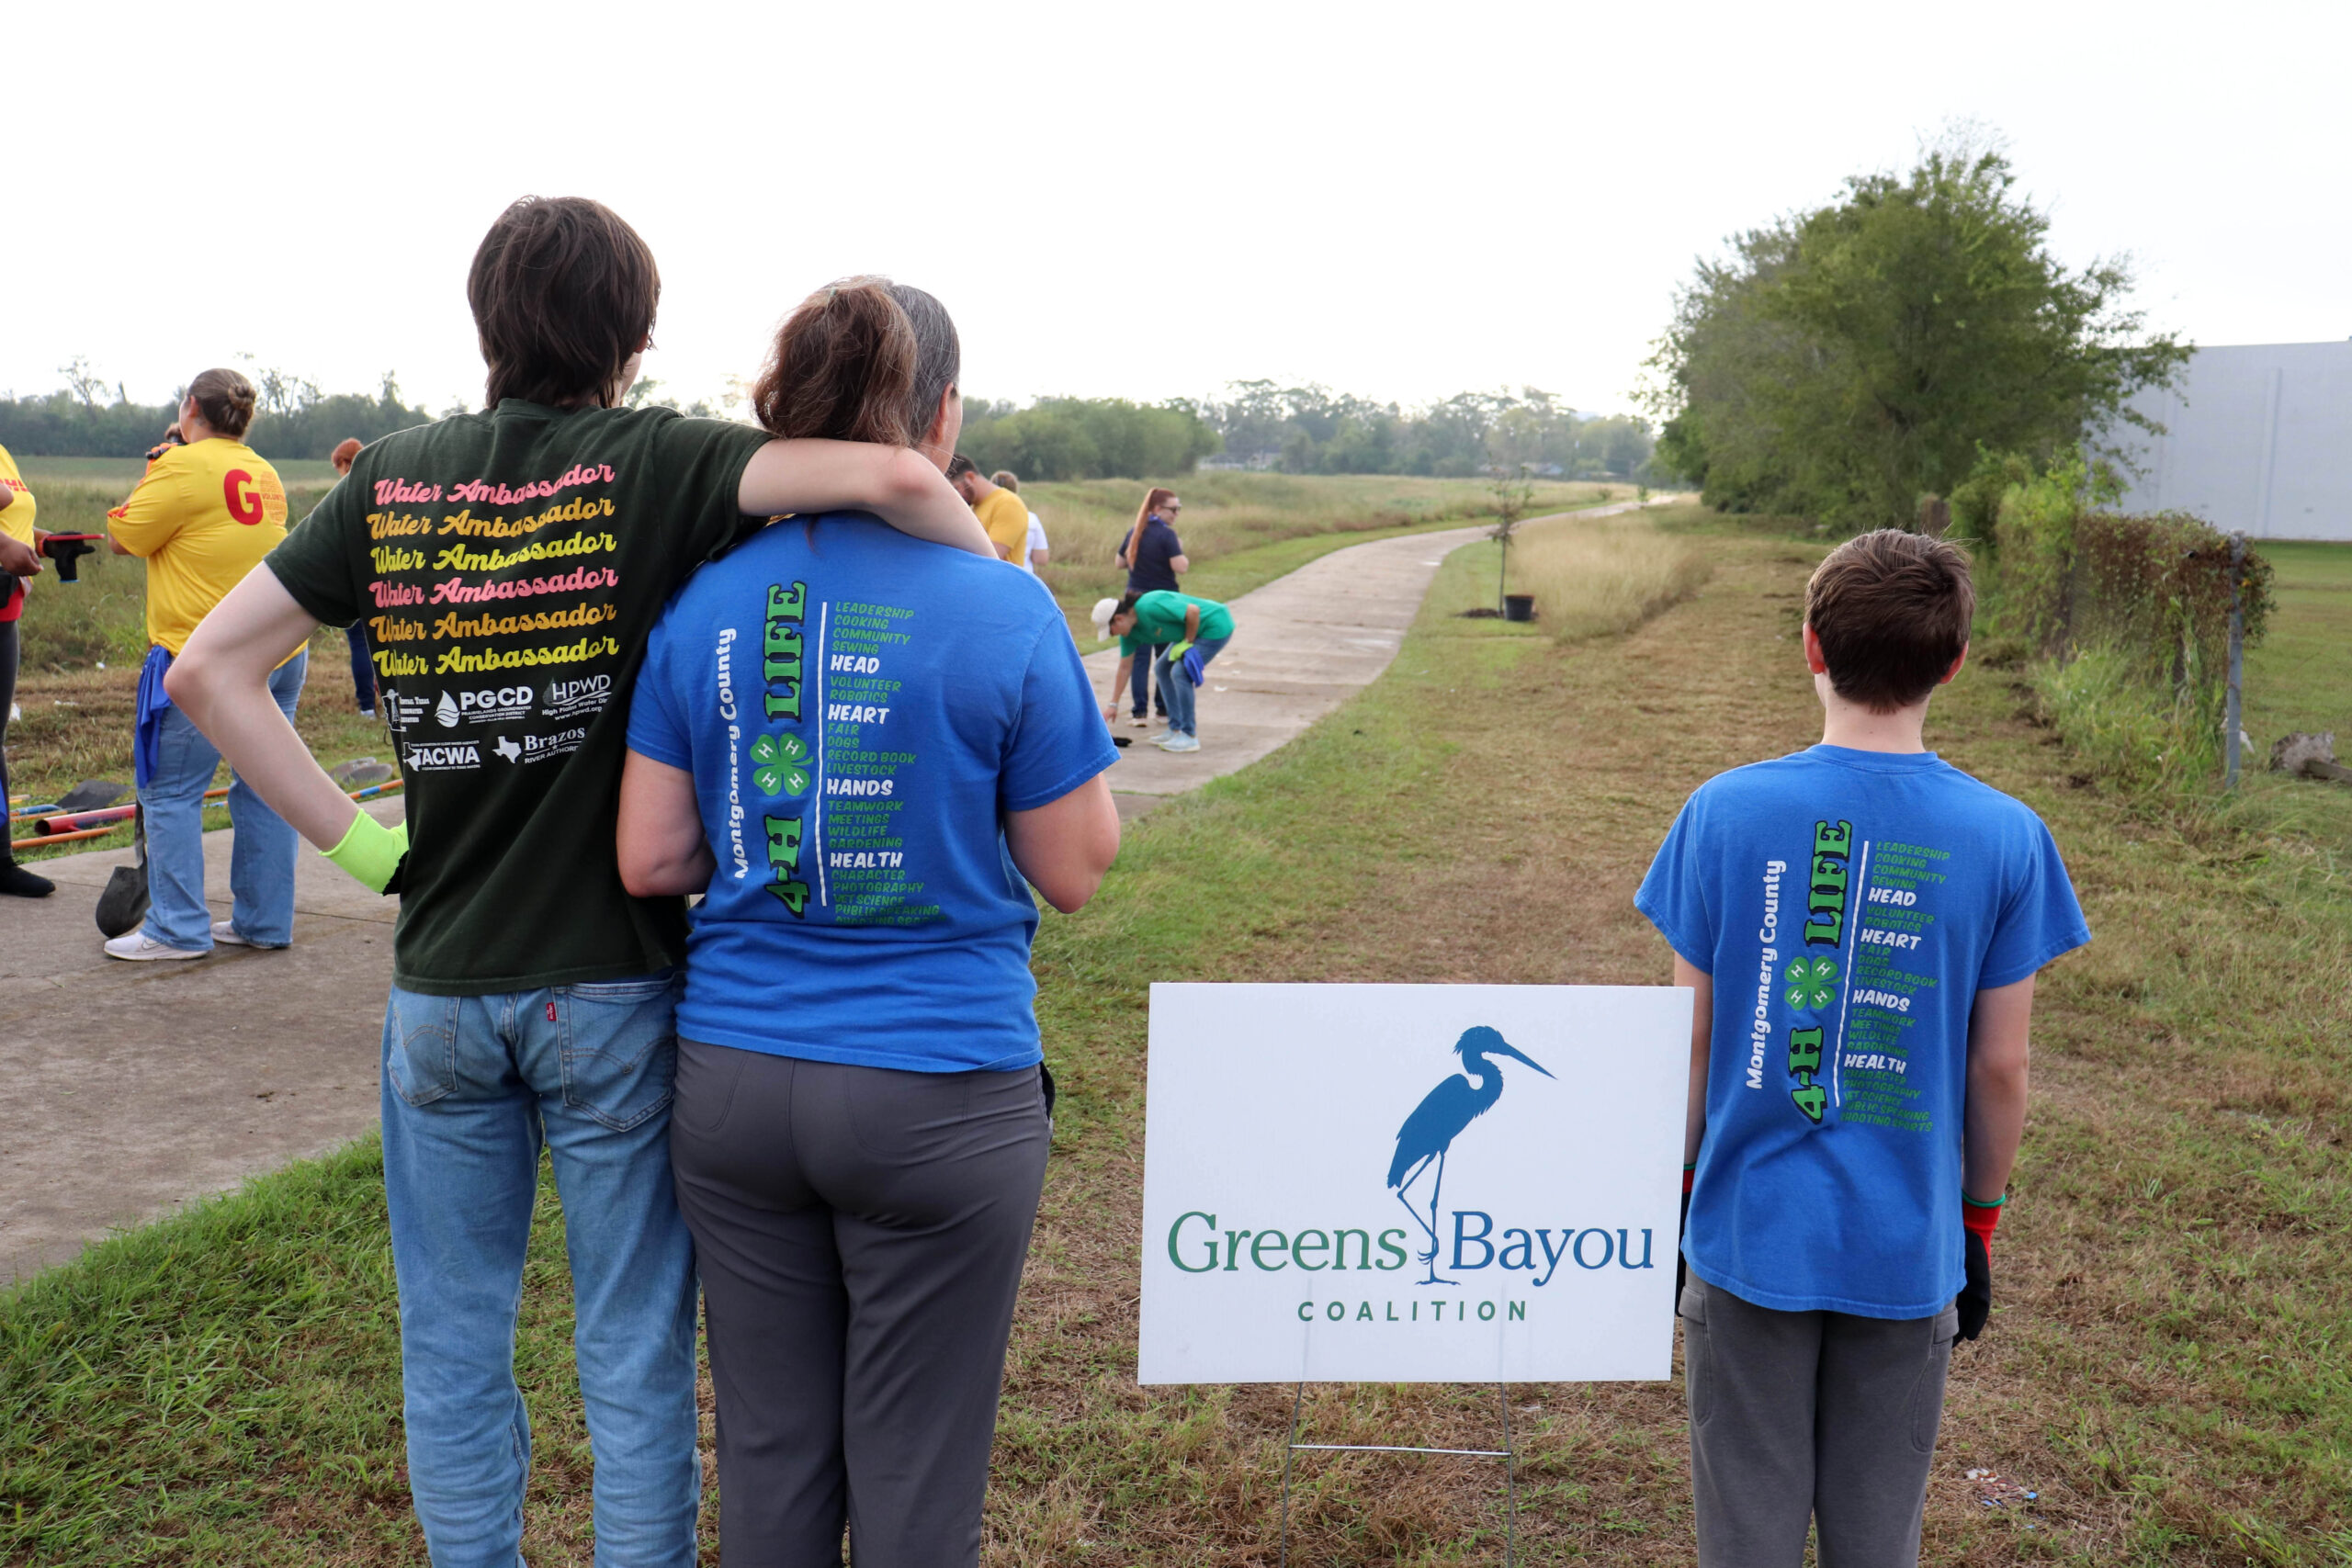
863 751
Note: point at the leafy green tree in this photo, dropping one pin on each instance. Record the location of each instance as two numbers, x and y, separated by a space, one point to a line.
1844 362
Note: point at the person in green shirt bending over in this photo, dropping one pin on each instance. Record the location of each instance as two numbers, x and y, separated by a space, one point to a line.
1193 630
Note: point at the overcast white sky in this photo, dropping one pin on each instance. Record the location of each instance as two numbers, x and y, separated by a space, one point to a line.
1403 201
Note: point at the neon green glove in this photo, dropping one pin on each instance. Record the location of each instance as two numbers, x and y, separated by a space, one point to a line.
1176 651
371 852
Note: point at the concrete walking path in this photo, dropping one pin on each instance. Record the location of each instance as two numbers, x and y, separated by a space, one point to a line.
1302 645
135 1088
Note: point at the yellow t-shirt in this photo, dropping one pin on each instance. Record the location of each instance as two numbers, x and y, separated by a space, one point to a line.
203 517
1007 521
17 522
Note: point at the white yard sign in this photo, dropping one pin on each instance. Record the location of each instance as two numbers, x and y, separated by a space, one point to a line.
1413 1183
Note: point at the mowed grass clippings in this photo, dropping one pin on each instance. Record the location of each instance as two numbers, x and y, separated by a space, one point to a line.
2166 1364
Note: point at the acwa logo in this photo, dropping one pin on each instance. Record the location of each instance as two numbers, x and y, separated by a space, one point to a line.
1443 1115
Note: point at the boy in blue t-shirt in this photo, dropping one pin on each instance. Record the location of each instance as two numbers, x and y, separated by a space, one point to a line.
1861 923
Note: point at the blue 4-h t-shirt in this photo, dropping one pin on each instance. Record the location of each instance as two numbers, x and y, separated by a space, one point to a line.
859 709
1848 906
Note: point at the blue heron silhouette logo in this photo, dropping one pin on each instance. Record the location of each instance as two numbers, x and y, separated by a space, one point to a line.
1443 1112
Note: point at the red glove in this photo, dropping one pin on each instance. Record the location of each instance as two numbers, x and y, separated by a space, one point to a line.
1981 1218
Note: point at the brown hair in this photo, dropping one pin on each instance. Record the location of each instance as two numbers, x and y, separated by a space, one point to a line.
1007 480
959 465
563 292
225 400
843 367
1892 610
346 452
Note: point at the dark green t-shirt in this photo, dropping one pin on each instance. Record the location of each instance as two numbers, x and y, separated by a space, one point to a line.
508 567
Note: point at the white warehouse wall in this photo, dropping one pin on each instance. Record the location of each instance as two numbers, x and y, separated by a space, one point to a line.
2258 436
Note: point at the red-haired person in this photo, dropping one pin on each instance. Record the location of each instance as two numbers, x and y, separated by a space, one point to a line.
363 666
1155 559
19 559
509 565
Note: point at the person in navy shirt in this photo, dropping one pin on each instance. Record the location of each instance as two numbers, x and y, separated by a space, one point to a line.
1155 559
864 757
1862 924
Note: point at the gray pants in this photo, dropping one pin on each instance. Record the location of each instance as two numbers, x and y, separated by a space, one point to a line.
1819 1414
860 1235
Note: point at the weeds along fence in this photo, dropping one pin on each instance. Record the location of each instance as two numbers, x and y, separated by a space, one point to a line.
2126 622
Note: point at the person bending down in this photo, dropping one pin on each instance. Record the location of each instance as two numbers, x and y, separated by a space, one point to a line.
848 741
1857 1079
1186 633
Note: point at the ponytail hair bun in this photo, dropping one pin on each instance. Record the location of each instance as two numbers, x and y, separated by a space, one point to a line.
225 399
842 369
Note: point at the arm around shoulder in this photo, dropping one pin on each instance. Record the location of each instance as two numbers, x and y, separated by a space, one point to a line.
896 483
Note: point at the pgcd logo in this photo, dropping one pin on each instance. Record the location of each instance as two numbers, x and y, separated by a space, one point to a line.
495 705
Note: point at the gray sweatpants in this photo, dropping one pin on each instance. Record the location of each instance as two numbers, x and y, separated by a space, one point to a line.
1810 1415
860 1235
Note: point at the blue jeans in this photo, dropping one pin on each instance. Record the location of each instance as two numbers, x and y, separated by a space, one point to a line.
261 858
472 1086
1177 687
363 667
1139 682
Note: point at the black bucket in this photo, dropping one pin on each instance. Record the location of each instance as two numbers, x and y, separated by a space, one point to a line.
1519 606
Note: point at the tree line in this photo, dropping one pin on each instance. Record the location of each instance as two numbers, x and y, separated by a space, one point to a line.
1306 429
292 417
1300 430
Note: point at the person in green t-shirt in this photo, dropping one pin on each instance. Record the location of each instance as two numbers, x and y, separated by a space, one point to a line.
1189 632
510 566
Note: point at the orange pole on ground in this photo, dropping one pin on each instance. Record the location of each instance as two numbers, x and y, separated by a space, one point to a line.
118 817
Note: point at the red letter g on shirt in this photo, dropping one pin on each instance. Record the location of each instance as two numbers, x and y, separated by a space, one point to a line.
237 489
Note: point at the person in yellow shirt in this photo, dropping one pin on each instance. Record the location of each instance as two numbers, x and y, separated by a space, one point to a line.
998 510
19 559
204 515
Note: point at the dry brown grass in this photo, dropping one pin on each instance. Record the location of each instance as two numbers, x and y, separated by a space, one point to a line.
1604 576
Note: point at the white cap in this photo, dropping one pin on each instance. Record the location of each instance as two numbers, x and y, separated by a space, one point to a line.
1101 615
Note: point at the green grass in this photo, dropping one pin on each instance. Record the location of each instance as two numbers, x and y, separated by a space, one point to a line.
2301 675
2168 1364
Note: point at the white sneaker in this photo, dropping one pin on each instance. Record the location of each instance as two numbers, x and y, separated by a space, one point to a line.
141 948
1178 742
226 933
1139 721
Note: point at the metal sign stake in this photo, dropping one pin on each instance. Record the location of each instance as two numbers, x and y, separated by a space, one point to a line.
1506 1453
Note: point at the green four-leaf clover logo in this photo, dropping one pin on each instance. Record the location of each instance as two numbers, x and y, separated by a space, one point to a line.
1813 983
779 758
